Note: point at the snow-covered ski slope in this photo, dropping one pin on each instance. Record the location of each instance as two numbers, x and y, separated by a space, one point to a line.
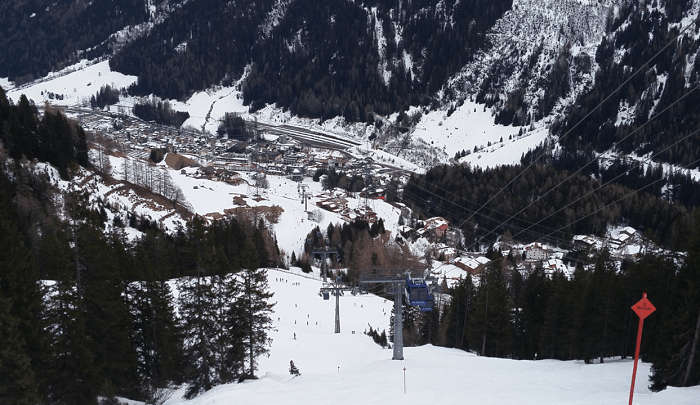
351 369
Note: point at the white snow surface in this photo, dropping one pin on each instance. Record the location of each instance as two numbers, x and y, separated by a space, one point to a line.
75 83
468 126
349 368
6 84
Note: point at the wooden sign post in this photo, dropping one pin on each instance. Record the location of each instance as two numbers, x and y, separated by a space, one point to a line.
643 308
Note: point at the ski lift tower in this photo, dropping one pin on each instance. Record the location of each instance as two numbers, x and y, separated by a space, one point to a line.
336 289
418 293
324 255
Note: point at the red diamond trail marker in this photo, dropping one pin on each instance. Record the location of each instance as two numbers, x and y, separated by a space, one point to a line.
643 308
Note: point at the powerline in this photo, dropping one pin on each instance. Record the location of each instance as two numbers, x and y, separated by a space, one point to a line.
580 169
569 131
610 181
629 194
551 238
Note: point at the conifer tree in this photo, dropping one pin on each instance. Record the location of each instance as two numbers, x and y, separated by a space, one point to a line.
73 377
108 320
231 350
17 382
255 307
200 329
492 313
680 364
535 303
557 320
155 335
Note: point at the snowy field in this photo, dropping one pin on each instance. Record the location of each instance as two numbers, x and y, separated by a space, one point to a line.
76 83
350 368
469 126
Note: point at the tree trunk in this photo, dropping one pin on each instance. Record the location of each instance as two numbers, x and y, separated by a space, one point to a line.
466 314
693 349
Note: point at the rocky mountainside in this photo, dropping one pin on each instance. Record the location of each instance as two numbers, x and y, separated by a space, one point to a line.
537 64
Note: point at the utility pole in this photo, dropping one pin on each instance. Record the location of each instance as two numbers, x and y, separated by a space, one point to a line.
304 196
368 181
398 322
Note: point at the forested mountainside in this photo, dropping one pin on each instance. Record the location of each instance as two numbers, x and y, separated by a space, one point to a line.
559 204
318 59
40 36
84 313
639 31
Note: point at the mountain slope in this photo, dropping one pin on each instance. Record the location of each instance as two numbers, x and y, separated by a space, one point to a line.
349 368
38 36
342 58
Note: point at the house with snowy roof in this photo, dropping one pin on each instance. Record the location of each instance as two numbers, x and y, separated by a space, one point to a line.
436 226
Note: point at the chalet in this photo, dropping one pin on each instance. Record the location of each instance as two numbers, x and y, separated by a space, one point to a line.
473 265
584 242
297 175
443 252
437 226
535 252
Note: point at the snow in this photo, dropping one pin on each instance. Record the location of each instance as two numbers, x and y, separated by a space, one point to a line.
468 126
273 18
451 273
6 84
384 70
508 152
386 158
76 83
349 368
207 107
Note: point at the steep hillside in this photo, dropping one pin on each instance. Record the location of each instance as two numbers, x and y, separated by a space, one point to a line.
640 31
38 36
342 58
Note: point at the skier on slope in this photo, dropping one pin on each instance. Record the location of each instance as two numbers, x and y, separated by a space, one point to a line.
293 370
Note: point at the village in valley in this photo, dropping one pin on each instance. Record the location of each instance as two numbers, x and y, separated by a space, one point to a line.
298 183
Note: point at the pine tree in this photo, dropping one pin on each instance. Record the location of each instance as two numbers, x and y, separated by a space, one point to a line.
557 320
155 335
256 310
17 382
231 350
535 303
681 364
19 283
108 320
492 330
73 377
200 329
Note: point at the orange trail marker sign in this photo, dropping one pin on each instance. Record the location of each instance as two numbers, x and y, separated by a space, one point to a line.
643 308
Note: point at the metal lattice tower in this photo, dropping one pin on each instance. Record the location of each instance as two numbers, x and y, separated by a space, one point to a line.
398 284
324 265
337 288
